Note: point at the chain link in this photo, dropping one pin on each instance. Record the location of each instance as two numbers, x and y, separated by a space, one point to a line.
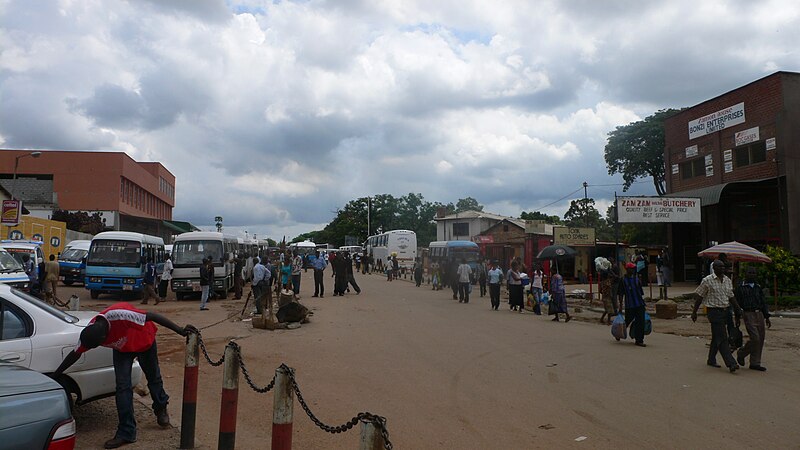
260 390
378 421
205 352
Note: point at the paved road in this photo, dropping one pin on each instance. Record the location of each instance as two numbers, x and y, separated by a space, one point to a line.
450 375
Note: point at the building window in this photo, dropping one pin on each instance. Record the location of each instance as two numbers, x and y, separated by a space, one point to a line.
751 154
461 229
693 168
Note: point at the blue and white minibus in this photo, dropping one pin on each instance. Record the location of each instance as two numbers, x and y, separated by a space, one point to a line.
448 253
117 260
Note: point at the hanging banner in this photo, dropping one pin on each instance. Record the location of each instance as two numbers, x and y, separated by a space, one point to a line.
716 121
12 210
658 209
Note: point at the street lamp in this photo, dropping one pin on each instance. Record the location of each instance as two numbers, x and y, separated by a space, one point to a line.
16 164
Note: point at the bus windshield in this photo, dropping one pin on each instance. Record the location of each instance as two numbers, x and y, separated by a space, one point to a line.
470 254
8 263
117 253
73 254
191 253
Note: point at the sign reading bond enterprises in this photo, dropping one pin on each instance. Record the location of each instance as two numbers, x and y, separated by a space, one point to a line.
716 121
574 237
658 209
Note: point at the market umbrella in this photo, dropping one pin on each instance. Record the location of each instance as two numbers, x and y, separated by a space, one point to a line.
555 251
735 251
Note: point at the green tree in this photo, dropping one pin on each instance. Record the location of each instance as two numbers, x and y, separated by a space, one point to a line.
536 215
636 150
468 204
785 270
80 221
637 233
583 213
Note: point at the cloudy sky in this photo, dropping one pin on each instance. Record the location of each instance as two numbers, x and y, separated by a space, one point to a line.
273 114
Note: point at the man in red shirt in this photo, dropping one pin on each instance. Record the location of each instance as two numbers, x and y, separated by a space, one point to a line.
131 332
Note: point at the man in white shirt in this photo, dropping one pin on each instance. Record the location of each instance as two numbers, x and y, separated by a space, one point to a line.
716 293
166 277
463 272
261 278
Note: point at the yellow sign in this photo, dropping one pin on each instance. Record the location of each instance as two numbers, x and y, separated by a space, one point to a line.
574 237
51 233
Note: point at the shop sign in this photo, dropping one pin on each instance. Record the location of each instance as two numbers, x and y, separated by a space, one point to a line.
732 115
709 171
691 151
746 136
675 169
709 160
727 155
658 209
11 212
483 239
574 237
771 144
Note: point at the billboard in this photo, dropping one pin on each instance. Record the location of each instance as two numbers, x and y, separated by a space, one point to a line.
658 209
574 237
719 120
12 210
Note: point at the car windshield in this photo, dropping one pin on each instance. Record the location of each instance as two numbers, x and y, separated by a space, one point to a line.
73 254
46 307
18 252
191 253
118 253
8 263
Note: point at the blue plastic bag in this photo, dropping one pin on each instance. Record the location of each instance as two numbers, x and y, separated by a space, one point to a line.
648 324
618 328
545 298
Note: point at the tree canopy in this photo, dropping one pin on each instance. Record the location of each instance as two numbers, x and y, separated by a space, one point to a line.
636 150
536 215
80 221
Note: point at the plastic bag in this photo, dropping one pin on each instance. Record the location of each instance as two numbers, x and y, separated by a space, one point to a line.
648 324
545 298
618 328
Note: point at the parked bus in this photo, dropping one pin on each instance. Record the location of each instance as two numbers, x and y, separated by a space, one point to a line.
403 243
117 260
352 249
449 253
188 252
304 249
72 262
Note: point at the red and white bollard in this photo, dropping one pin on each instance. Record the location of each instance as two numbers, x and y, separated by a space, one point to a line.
190 374
371 437
230 398
282 410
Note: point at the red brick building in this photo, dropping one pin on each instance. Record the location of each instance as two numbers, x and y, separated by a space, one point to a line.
131 195
738 153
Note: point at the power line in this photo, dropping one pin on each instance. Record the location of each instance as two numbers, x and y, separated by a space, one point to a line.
562 198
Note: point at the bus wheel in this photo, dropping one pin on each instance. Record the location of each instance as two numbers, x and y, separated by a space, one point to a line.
95 294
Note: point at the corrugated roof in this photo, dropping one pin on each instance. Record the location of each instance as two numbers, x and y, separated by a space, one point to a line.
710 195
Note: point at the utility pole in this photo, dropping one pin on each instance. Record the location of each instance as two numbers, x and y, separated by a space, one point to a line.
368 209
586 203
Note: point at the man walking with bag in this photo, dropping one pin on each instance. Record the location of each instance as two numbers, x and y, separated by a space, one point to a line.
716 293
630 287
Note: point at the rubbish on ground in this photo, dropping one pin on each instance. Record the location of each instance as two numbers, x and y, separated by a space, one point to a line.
546 426
581 438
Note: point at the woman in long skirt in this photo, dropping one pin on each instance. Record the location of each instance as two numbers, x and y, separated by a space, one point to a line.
515 294
559 296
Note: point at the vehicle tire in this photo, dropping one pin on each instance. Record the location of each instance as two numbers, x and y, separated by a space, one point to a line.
180 296
68 283
95 294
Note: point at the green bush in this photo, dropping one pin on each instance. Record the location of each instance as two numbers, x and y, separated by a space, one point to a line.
785 267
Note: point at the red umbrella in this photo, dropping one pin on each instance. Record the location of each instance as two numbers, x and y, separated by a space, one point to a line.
735 251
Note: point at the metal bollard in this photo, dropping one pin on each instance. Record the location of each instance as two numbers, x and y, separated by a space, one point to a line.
282 410
371 437
230 397
190 373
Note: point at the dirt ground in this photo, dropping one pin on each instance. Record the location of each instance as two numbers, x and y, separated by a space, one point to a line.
449 375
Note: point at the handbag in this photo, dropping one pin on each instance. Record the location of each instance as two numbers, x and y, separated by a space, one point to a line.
735 338
552 309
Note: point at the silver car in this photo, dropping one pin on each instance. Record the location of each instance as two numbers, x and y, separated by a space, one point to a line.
38 336
34 411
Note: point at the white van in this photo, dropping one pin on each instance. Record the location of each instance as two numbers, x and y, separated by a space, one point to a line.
189 251
17 248
11 271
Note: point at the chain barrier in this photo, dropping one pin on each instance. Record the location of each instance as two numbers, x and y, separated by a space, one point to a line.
378 421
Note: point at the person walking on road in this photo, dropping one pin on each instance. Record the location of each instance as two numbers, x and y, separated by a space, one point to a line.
32 270
297 270
516 293
319 279
238 281
716 294
494 276
463 273
149 282
205 284
559 295
166 277
51 270
351 278
418 272
286 271
131 333
631 295
481 269
536 284
260 284
756 313
609 288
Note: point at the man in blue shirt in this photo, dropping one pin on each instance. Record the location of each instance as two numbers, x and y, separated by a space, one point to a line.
319 265
495 275
630 287
150 282
261 277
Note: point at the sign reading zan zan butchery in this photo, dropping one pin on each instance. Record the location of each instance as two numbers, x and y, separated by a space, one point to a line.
716 121
658 209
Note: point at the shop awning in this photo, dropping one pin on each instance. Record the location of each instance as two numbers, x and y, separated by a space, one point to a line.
179 227
710 195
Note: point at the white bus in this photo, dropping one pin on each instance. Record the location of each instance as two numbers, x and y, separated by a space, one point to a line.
188 252
403 243
352 249
304 249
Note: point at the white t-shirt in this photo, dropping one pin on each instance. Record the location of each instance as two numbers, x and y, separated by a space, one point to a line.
167 275
463 273
537 279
